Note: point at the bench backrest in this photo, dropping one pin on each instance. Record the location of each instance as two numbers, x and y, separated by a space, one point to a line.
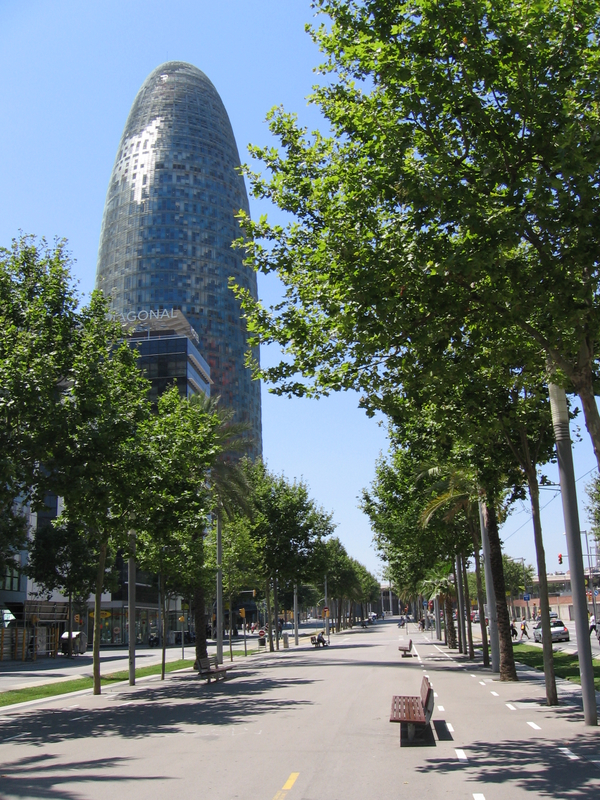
427 698
208 663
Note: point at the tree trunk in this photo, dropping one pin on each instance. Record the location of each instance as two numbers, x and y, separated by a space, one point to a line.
585 390
451 630
468 605
97 610
534 496
199 611
458 614
269 625
508 671
480 601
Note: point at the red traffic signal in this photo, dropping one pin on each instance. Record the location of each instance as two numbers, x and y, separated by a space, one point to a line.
560 558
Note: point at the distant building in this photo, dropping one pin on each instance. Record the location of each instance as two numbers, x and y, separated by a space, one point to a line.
169 221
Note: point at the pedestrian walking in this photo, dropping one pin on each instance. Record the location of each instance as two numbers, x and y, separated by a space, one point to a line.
593 624
524 630
513 630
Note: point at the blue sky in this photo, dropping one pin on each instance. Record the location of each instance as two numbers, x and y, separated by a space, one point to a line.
70 72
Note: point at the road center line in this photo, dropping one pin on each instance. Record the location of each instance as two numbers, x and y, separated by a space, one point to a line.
290 782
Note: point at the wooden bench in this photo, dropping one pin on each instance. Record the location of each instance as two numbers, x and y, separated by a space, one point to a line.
209 668
406 649
414 712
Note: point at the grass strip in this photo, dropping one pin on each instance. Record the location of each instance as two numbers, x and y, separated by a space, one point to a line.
566 665
77 684
13 696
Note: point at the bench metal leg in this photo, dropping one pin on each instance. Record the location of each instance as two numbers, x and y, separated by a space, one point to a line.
411 731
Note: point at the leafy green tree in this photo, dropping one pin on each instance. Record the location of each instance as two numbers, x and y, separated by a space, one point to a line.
65 557
178 445
286 527
460 177
518 576
94 464
38 321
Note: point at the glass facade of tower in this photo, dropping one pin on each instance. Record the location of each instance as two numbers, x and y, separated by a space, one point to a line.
169 221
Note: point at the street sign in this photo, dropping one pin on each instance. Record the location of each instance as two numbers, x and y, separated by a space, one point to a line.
526 597
595 592
261 633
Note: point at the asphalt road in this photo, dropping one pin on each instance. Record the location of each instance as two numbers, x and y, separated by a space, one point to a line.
305 724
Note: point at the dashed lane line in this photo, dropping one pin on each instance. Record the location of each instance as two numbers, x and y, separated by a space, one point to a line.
460 754
534 726
568 753
482 683
441 708
478 796
450 728
495 694
510 705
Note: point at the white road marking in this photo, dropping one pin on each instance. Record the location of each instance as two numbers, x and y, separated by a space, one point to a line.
441 708
478 796
450 728
460 754
495 694
482 683
10 738
510 705
443 653
435 694
473 676
534 726
568 753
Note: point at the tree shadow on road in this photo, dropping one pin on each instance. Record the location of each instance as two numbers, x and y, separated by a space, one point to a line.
44 777
156 709
531 765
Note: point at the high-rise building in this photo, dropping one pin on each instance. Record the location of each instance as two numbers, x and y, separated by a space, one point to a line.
170 219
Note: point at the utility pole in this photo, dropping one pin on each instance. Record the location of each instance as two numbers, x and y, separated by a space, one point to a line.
296 614
560 422
131 578
219 590
326 606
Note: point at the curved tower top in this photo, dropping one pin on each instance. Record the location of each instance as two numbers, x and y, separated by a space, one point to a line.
169 220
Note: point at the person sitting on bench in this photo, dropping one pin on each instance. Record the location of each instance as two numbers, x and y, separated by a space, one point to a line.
321 640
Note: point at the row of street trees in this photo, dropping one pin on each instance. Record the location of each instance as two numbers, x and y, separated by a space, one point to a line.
443 258
153 482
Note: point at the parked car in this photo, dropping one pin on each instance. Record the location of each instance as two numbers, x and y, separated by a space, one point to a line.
558 629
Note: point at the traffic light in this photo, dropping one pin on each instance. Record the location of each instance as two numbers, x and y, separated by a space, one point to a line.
253 592
560 558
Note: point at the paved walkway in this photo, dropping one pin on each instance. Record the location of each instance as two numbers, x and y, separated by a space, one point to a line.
306 724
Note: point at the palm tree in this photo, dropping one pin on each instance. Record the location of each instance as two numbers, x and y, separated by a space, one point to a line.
458 493
439 583
231 492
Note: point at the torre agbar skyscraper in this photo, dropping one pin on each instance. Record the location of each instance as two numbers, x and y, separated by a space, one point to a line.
169 221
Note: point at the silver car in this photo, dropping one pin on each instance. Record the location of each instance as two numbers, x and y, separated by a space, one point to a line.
558 629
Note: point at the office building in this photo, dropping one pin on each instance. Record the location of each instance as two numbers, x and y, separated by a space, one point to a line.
170 219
